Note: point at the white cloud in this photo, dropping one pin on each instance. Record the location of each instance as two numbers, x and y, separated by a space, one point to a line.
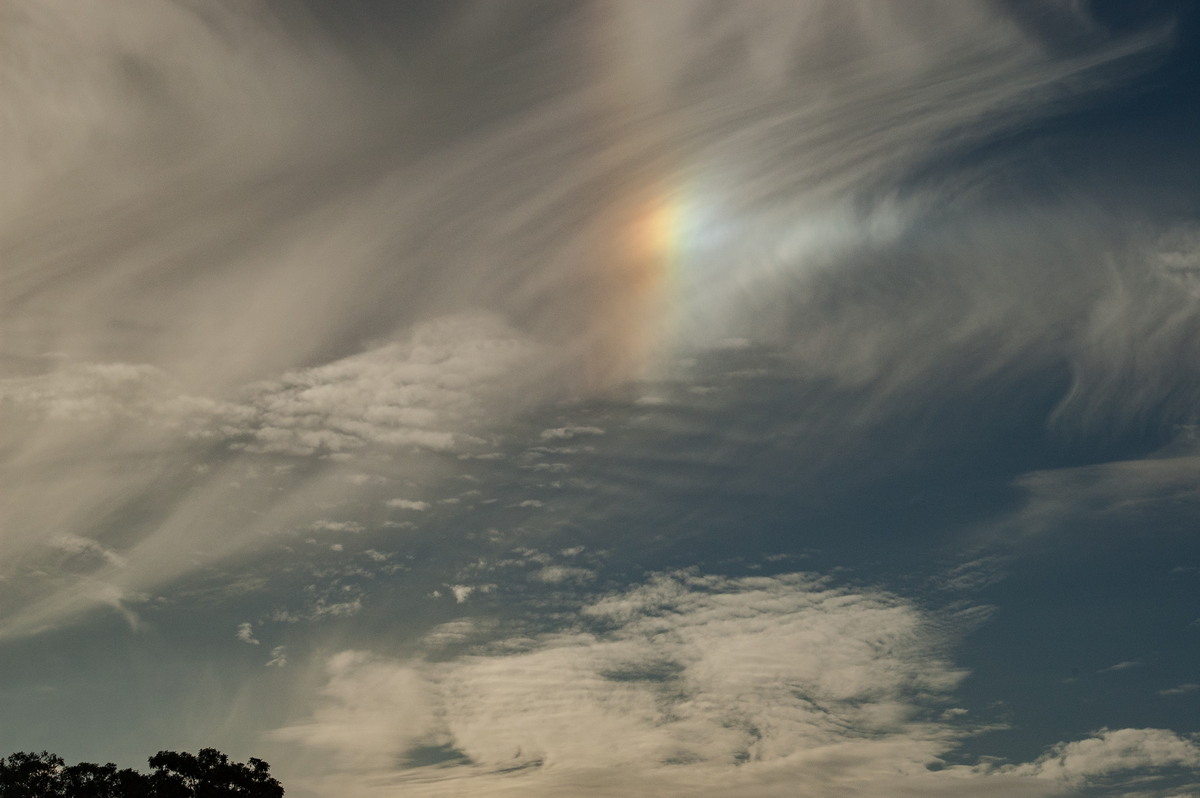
1122 666
421 393
555 574
567 433
370 710
751 682
245 633
278 657
1113 490
98 392
334 609
1183 689
337 526
408 504
1114 751
85 550
688 685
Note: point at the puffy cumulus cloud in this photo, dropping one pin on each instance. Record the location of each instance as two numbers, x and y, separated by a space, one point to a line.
1144 753
687 685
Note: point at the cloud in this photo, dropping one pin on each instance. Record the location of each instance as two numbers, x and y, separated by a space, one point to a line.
408 504
690 685
233 241
567 433
1115 751
421 393
1106 493
554 574
1122 666
1182 689
741 679
85 554
245 633
200 469
370 711
222 241
101 392
337 526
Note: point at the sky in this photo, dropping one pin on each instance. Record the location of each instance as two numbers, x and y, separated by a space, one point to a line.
541 398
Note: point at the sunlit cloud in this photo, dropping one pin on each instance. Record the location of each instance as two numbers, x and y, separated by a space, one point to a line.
453 390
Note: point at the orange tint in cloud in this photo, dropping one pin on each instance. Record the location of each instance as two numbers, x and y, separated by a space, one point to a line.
633 286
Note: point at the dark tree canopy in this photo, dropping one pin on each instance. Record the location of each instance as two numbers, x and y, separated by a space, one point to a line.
208 774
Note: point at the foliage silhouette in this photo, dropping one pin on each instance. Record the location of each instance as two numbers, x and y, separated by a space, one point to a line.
207 774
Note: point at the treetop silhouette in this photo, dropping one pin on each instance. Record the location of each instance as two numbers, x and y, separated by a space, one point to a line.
207 774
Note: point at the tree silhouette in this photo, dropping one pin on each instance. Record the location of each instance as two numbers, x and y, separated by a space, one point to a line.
207 774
